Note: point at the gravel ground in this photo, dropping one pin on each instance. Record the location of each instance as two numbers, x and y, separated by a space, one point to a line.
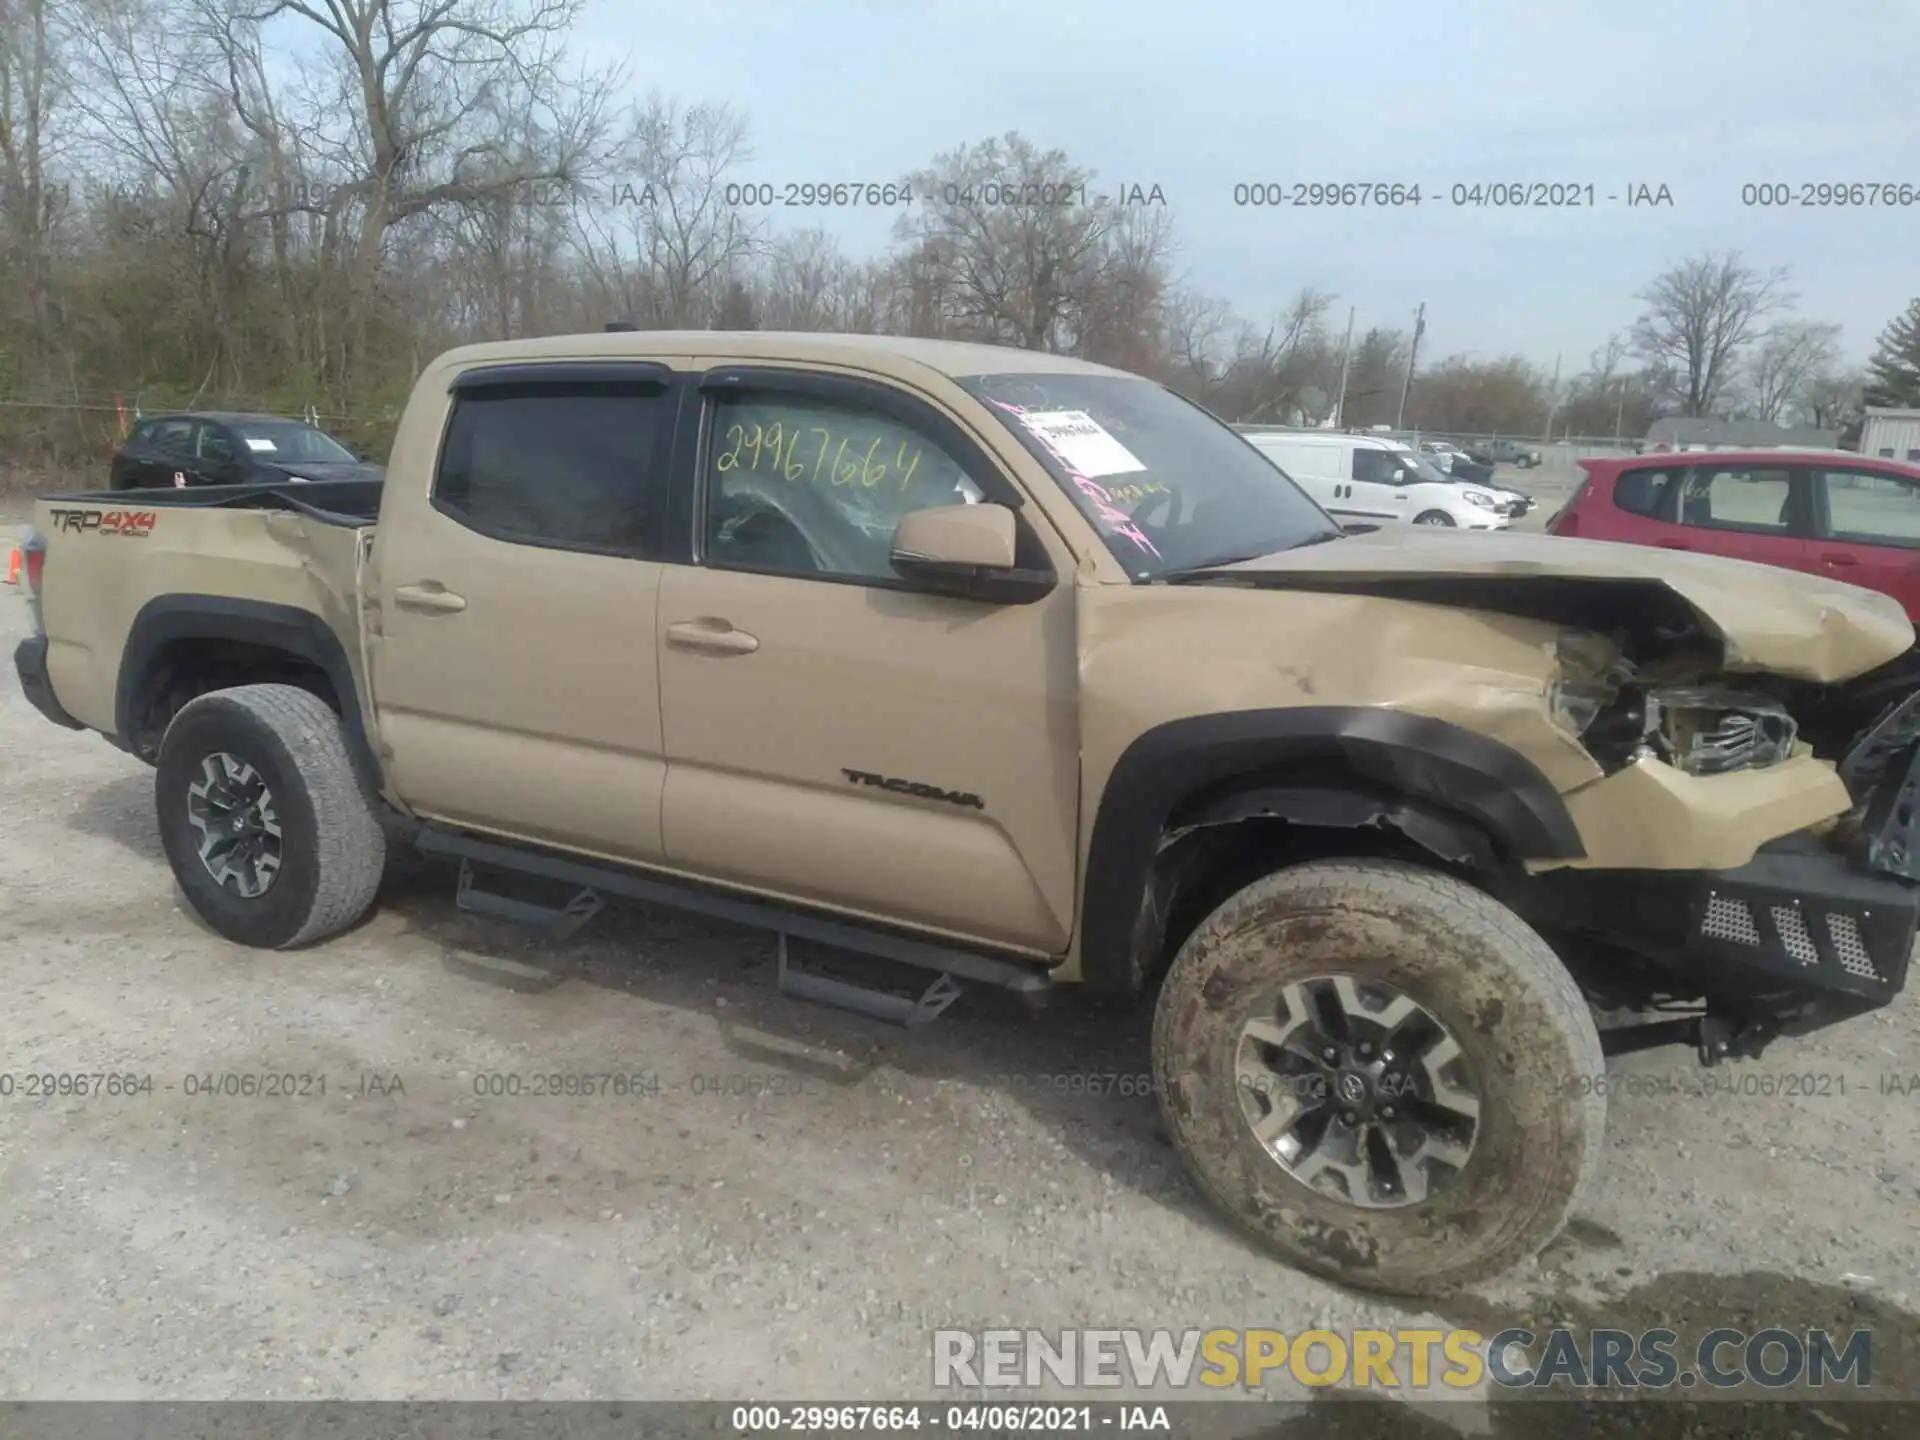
401 1237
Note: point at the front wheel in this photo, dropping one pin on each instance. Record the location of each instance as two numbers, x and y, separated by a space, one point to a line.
1382 1074
270 832
1433 517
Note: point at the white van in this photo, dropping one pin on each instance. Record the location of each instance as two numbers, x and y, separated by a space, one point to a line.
1366 478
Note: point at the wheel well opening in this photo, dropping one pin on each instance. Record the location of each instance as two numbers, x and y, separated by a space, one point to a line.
1199 866
183 670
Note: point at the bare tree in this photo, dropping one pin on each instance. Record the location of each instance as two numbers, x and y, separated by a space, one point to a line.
422 104
1786 359
1273 363
34 89
1833 400
1699 318
667 229
1006 243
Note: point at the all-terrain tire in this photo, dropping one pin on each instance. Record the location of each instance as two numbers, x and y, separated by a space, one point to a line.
332 845
1525 1030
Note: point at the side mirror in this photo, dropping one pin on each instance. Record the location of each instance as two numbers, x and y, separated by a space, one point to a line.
966 550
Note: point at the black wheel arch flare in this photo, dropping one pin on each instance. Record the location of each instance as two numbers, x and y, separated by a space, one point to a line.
1443 772
298 634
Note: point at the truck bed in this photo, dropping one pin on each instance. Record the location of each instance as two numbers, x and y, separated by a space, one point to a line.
121 565
352 503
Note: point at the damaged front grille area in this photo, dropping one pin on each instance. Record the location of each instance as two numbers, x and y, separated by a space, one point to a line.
1712 732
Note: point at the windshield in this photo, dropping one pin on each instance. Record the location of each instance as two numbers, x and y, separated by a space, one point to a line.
1425 469
1167 486
273 440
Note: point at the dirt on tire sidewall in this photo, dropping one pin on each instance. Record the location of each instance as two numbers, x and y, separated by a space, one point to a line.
1538 1133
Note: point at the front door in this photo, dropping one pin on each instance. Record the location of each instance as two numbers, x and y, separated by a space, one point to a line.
1376 490
515 672
215 462
835 736
1741 510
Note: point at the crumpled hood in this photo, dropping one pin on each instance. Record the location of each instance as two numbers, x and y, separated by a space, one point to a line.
1766 619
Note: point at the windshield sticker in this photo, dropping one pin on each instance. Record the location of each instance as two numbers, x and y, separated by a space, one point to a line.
1083 442
1105 513
260 445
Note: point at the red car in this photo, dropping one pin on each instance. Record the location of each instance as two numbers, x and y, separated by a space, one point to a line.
1846 516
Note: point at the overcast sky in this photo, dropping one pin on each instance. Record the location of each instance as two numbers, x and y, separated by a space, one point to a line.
1701 96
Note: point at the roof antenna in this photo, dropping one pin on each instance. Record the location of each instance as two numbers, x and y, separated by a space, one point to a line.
615 326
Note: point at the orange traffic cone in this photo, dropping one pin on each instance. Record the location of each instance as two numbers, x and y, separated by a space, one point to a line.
13 565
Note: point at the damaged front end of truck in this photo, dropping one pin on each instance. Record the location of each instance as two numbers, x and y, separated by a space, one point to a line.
1740 881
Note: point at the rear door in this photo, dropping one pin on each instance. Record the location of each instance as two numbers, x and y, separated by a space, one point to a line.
1314 468
515 672
1867 530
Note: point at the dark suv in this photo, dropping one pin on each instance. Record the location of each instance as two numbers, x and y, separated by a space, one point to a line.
181 450
1506 452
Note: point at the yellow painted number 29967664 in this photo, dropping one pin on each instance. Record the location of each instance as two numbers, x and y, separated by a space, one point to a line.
812 454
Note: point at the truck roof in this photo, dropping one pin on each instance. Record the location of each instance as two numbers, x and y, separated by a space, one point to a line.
953 358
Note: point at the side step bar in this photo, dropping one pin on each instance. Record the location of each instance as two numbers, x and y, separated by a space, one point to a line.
948 964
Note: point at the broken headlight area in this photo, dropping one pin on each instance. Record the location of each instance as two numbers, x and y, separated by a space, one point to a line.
1699 730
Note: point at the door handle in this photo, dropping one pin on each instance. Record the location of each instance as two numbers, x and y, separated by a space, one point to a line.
712 634
430 596
1837 559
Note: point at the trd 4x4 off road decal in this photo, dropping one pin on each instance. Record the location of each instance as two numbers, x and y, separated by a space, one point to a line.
914 787
105 522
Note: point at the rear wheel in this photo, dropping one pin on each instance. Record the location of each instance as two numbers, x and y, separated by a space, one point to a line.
1382 1074
1433 517
269 829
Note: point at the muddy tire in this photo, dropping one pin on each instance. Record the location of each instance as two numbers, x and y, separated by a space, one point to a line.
1481 1090
272 835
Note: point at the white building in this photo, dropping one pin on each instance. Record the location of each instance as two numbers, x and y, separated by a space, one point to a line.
1891 434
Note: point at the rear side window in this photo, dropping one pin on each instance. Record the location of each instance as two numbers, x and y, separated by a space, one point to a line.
578 465
1642 492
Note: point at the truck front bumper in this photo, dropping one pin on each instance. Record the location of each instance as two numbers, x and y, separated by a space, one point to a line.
1800 937
1812 930
30 663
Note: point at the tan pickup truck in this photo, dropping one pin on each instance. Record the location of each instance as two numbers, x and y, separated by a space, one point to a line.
998 668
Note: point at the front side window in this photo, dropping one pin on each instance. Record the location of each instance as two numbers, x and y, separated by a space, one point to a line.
799 486
1377 467
1738 498
570 464
214 444
1869 508
1166 485
174 436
